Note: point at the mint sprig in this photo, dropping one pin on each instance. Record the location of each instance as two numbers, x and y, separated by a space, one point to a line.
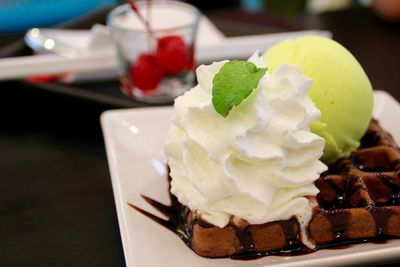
234 82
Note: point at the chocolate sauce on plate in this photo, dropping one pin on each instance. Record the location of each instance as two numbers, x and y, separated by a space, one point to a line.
177 223
353 183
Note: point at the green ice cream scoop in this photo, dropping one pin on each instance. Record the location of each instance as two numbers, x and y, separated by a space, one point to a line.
341 90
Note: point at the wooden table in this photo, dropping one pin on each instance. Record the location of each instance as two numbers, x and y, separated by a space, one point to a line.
56 201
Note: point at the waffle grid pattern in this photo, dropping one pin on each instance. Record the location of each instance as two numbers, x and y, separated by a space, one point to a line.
360 196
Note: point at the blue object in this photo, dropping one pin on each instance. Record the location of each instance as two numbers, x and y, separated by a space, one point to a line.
20 15
252 5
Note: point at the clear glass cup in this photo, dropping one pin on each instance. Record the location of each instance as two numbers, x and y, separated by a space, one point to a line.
155 53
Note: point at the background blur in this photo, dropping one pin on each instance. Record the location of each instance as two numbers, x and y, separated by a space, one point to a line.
56 200
19 15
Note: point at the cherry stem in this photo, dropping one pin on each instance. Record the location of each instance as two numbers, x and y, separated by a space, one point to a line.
148 2
145 22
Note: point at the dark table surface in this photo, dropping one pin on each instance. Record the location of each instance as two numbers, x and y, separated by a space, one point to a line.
56 201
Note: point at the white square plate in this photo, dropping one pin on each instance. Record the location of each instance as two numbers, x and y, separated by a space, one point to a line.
134 141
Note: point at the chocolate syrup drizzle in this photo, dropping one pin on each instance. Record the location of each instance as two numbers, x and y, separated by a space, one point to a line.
372 196
245 239
176 214
338 218
292 236
293 244
177 223
337 210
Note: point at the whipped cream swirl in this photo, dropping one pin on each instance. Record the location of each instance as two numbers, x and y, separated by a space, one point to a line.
259 162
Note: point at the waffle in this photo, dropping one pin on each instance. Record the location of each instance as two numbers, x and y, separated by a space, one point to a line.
359 199
360 196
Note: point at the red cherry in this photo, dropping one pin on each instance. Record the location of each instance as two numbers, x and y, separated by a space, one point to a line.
171 54
146 75
42 78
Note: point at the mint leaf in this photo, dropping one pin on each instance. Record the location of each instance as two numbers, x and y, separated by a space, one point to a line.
233 83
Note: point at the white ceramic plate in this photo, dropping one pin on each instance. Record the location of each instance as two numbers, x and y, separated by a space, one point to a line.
134 140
